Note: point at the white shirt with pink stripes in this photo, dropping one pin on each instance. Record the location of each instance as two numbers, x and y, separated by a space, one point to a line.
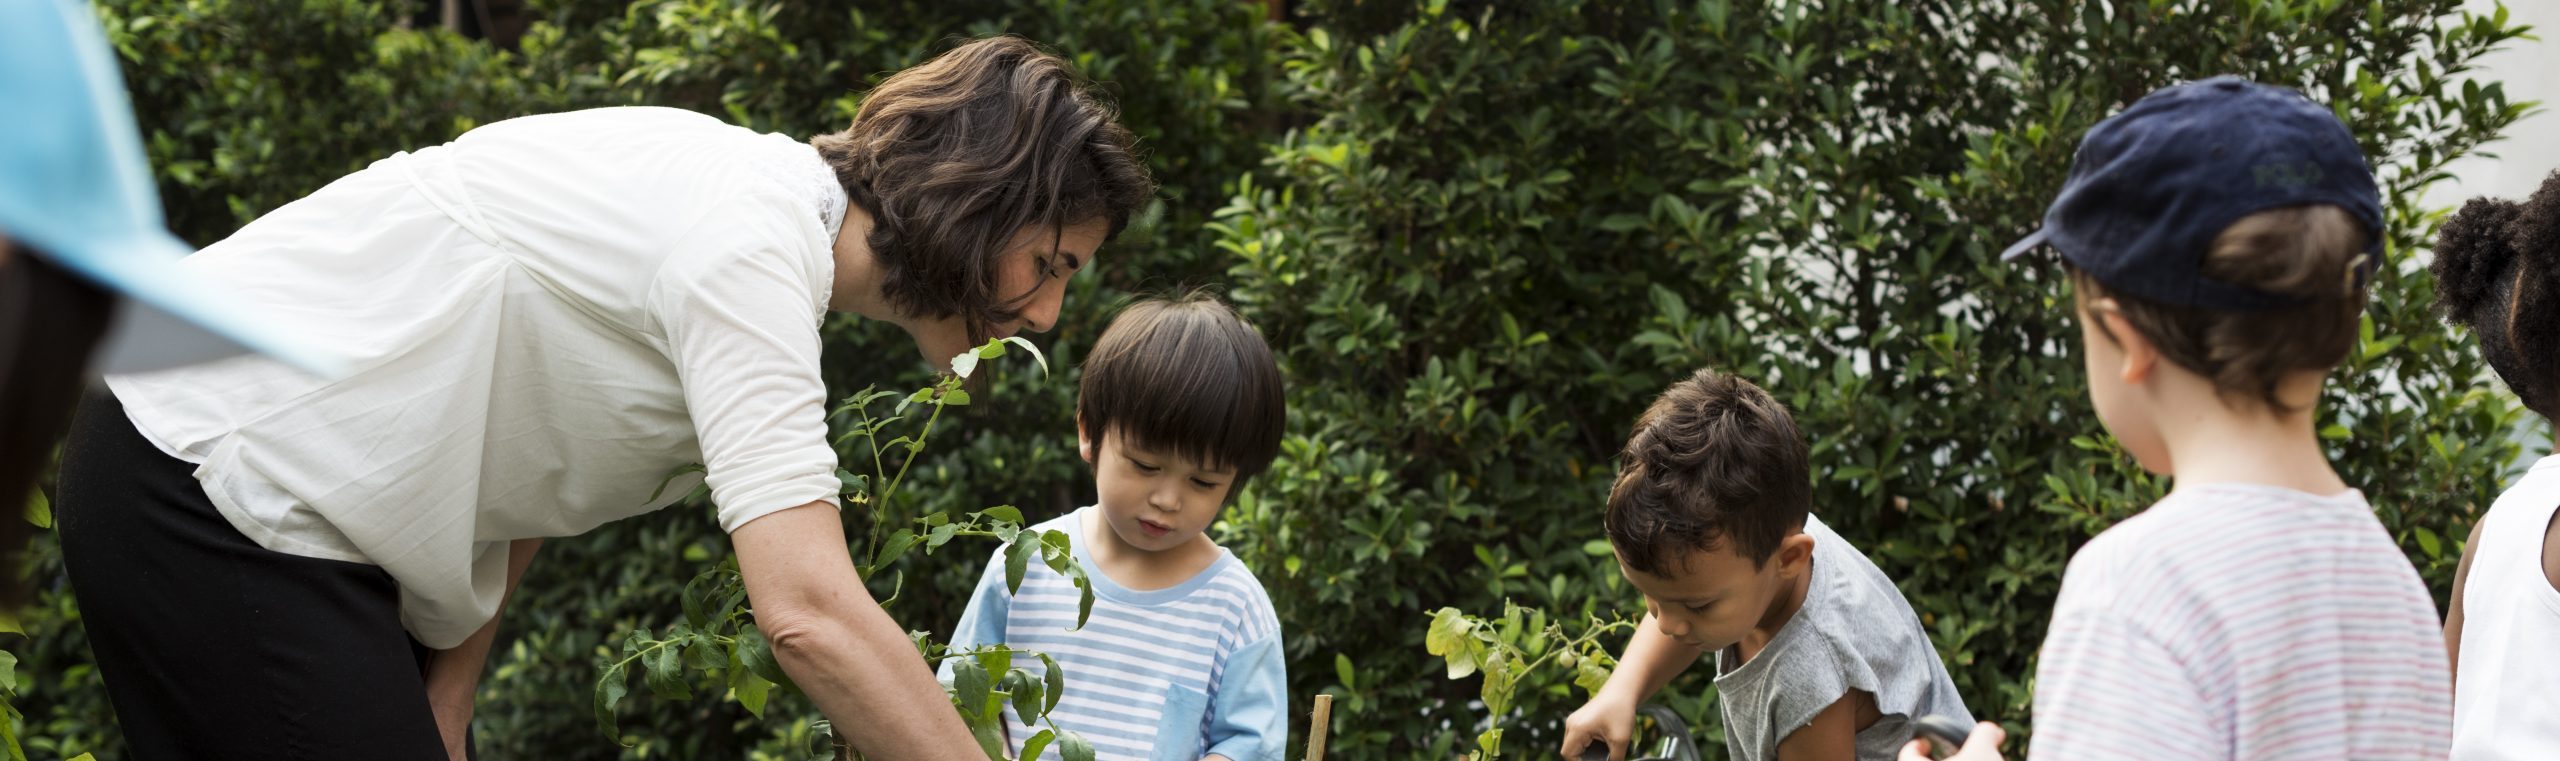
2234 621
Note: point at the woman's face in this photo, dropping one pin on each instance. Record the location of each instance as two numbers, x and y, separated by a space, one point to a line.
1032 275
1034 269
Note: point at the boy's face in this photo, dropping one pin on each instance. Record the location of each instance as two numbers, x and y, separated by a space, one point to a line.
2118 367
1155 501
1713 598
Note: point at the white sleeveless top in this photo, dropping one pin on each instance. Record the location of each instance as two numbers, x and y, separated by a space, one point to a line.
543 319
2506 685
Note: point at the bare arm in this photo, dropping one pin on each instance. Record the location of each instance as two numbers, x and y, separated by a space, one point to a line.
836 642
1833 733
453 675
2453 609
1651 660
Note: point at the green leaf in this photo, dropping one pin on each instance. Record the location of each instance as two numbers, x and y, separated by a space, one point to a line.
1442 637
664 668
1054 681
39 510
749 690
757 655
1084 595
609 690
1017 561
1598 548
1029 695
1342 670
9 720
1056 551
2429 542
1006 513
702 655
1073 747
1039 742
955 398
893 547
969 687
989 733
1036 356
696 610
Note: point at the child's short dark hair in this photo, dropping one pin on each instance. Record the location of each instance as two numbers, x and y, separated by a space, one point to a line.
2497 272
2306 252
1715 460
1189 376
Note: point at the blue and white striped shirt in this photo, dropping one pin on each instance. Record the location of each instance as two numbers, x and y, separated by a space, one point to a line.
1171 674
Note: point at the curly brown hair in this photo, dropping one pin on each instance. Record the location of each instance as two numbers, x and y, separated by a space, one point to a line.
1715 460
955 157
2497 268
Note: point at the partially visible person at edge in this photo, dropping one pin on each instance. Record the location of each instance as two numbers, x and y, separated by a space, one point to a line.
2219 236
81 239
542 319
2497 270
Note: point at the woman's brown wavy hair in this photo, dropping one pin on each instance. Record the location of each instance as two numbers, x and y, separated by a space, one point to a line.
955 157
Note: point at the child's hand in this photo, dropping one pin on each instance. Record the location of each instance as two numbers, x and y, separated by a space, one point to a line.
1607 720
1983 745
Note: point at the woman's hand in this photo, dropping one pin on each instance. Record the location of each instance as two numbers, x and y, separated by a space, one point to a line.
453 675
836 643
1982 745
453 723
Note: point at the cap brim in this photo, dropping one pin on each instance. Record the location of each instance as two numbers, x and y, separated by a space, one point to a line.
176 318
2024 245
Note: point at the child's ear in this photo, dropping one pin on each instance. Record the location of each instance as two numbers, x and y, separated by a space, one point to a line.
1795 554
1084 443
2140 356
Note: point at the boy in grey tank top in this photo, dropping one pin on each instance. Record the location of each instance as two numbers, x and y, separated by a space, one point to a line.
1816 653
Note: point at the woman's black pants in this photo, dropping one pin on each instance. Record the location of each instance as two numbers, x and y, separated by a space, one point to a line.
212 646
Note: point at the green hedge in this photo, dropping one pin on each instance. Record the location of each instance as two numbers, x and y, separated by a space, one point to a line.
1482 235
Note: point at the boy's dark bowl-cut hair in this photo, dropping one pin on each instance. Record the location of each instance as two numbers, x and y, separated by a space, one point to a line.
1186 376
1715 461
2497 271
2306 252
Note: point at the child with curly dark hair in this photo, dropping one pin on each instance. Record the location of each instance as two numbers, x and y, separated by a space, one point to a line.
1816 654
2498 273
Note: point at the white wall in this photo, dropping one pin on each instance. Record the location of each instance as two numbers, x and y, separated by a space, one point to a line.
2530 70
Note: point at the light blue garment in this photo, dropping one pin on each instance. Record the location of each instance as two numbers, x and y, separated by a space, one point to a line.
1168 674
74 188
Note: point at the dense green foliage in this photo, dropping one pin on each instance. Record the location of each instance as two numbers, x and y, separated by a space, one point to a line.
1481 235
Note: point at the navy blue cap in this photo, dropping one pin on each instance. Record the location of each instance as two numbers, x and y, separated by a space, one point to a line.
2152 187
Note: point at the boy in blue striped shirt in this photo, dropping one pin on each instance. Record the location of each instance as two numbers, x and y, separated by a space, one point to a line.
1180 661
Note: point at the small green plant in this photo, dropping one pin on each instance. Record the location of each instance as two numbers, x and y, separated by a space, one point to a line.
1512 648
719 639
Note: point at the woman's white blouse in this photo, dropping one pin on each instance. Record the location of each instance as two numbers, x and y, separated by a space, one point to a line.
544 319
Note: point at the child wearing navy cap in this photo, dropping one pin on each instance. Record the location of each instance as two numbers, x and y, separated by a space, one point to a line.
2219 236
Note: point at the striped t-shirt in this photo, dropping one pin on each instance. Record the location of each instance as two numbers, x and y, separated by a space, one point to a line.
1162 674
2235 621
